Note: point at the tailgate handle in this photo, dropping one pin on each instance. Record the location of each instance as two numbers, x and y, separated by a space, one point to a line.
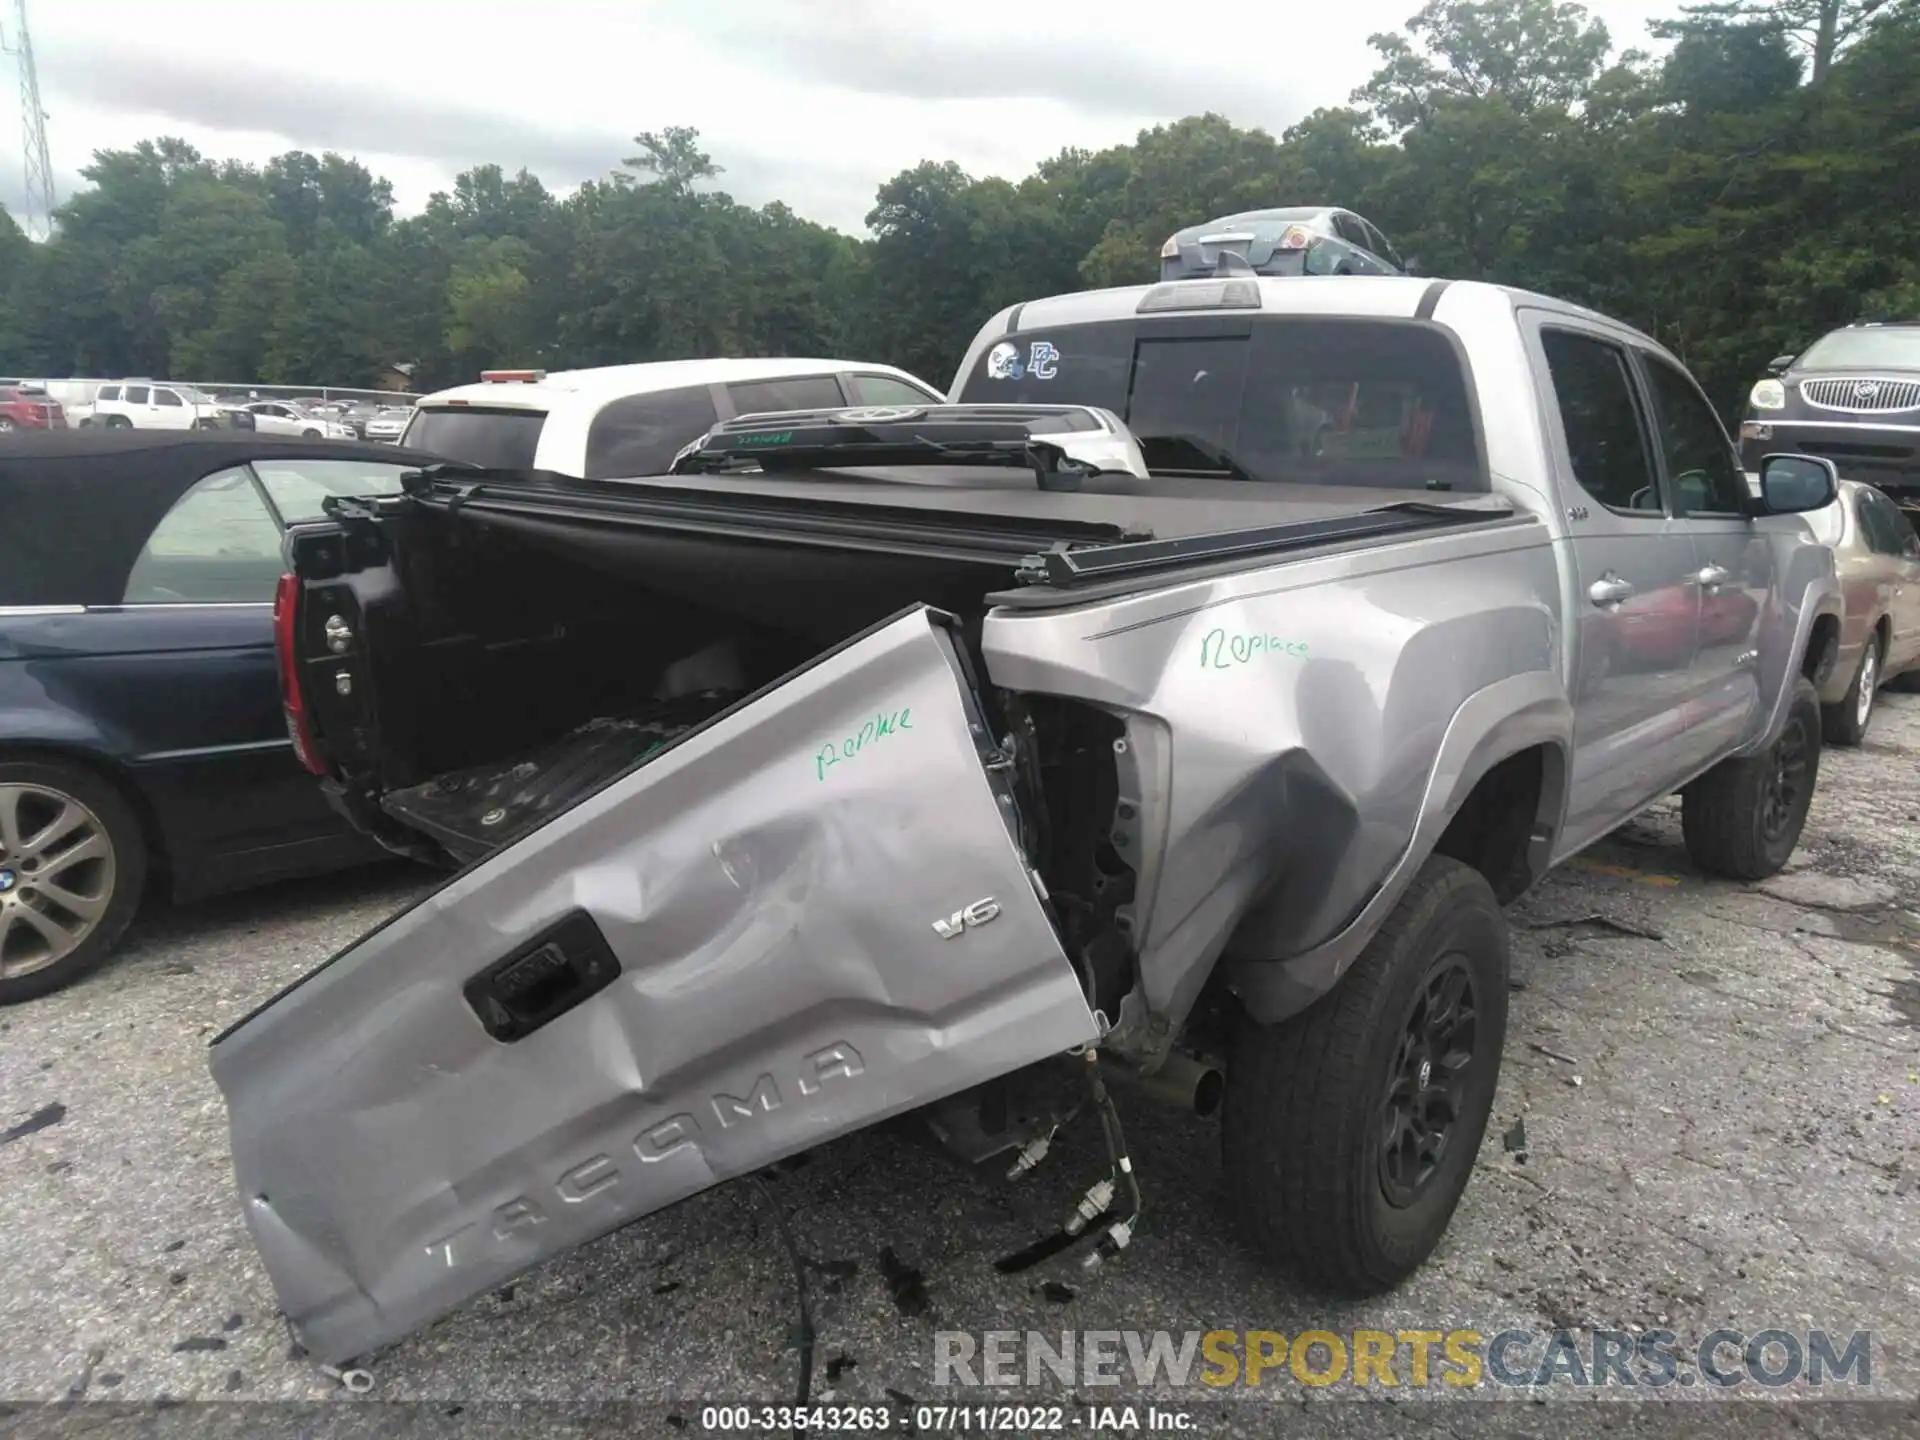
567 963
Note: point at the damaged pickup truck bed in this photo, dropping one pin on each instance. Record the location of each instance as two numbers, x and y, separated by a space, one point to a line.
1191 693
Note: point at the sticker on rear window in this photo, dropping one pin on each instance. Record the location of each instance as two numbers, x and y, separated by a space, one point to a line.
1042 362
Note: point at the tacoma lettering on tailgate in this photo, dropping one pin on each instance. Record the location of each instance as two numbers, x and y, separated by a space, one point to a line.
598 1174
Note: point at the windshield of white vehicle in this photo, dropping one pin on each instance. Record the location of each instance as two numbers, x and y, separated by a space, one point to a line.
496 439
1309 401
1890 347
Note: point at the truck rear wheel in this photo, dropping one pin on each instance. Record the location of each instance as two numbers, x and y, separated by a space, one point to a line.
1351 1130
1742 819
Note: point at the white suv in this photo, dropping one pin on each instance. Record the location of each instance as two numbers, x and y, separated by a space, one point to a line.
622 420
144 405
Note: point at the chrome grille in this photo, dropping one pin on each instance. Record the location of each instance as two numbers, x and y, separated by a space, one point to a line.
1863 395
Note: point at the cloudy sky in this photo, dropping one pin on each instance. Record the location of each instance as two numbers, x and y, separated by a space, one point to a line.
811 101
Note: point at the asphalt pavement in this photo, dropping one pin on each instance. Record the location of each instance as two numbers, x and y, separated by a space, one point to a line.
1709 1118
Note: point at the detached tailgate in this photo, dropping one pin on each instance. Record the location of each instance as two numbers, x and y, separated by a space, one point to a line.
725 957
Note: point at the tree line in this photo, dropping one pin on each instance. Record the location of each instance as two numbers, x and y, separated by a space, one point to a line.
1748 189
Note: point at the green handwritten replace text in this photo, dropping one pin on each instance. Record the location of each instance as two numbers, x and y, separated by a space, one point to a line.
1224 649
883 724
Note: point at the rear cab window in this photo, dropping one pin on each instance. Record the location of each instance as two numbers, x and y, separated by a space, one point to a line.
640 434
1278 398
888 390
494 438
797 392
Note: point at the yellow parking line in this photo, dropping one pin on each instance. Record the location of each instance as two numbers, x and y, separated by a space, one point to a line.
1622 872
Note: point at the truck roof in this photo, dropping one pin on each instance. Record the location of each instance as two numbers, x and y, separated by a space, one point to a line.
1366 296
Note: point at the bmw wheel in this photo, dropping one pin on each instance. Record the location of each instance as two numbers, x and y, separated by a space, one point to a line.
72 866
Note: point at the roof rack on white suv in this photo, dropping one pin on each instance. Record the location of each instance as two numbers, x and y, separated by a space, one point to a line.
625 420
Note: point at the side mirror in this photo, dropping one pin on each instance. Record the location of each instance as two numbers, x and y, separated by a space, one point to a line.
1795 484
1778 364
1410 266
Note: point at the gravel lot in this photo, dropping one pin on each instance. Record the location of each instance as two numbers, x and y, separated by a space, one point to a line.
1742 1148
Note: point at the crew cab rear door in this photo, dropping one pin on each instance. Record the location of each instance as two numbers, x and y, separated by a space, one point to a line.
808 914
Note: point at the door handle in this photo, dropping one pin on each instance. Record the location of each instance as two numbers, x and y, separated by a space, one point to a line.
1712 577
1610 590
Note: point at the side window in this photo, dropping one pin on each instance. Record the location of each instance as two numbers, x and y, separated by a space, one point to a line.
1872 525
107 392
216 545
640 434
800 392
1605 441
166 397
137 394
1701 464
299 488
1903 530
886 390
1888 530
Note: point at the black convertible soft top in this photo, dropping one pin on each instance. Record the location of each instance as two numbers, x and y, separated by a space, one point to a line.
77 505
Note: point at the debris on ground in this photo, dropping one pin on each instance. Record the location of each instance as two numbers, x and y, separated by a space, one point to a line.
1516 1140
41 1119
906 1285
1551 1053
1599 922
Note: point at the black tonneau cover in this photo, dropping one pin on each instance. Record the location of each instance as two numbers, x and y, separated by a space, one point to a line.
1110 508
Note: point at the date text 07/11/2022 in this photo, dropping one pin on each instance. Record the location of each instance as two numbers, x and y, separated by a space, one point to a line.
948 1419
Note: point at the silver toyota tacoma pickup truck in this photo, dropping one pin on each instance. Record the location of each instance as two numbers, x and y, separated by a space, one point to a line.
1182 701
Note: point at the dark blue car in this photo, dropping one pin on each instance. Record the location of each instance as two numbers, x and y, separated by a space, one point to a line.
142 740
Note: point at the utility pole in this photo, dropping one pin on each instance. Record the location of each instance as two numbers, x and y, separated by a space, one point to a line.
38 221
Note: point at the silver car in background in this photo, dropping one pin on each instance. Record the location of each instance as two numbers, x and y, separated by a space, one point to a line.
1877 556
388 424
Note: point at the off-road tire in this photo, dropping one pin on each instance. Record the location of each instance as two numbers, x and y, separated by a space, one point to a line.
1301 1135
1842 723
1728 816
123 830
